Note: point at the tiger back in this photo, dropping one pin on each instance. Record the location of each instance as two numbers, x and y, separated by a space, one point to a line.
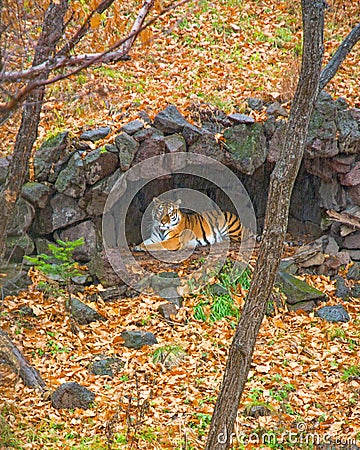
173 229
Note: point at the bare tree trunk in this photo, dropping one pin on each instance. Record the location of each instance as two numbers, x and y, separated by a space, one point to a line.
14 357
52 31
281 185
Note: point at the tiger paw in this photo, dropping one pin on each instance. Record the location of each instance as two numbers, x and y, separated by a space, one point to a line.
138 248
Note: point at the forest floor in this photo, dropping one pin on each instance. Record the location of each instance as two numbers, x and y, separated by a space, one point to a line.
305 370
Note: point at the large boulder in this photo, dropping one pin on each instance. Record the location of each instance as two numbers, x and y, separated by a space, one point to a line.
296 290
246 146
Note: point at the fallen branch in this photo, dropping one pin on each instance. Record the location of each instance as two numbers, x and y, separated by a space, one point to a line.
345 218
17 361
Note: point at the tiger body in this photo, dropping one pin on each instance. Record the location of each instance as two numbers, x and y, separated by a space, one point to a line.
173 229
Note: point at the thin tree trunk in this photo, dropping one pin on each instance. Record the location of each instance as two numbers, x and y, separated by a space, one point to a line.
52 31
14 357
281 185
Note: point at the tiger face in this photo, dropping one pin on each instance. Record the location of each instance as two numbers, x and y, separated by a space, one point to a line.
166 213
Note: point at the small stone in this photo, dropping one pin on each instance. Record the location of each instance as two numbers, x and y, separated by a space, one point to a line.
168 310
335 313
354 272
96 134
275 109
255 103
342 291
241 118
106 366
82 313
137 339
132 127
72 395
170 120
257 411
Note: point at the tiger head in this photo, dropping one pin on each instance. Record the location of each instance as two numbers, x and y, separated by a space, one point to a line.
166 213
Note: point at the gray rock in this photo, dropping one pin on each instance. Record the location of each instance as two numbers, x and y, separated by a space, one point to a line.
354 194
275 109
355 255
335 313
137 339
352 241
246 145
257 411
82 313
84 230
153 145
36 193
354 272
96 134
240 118
132 127
71 180
207 145
16 279
72 395
127 147
99 164
102 270
255 103
175 143
352 178
165 284
170 120
106 366
321 140
4 169
167 310
17 247
297 290
342 291
355 291
65 211
94 199
22 219
332 196
191 133
53 150
348 132
307 306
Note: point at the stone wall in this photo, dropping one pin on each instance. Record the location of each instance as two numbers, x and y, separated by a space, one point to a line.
72 182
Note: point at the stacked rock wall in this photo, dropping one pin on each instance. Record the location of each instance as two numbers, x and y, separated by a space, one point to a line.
72 182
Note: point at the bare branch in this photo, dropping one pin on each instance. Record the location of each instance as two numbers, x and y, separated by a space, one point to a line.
341 53
138 24
105 4
114 53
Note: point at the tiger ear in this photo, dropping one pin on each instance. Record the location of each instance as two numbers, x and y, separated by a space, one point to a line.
156 200
178 202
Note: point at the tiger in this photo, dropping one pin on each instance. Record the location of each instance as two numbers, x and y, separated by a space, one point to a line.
172 229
